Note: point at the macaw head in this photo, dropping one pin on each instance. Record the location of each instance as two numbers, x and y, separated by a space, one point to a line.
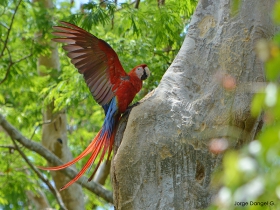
142 71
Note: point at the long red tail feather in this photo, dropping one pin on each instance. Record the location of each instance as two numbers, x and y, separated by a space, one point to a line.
88 150
102 142
108 144
90 161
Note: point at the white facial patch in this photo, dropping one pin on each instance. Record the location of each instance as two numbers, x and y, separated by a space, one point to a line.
143 73
139 72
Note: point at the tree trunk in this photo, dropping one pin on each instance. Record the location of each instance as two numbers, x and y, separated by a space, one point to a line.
54 134
164 161
39 201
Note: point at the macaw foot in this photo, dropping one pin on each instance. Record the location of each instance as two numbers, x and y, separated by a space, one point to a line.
128 110
121 126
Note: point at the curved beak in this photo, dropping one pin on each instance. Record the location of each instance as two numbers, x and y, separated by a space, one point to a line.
146 73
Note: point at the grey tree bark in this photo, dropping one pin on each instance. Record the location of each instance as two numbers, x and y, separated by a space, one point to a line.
164 161
39 201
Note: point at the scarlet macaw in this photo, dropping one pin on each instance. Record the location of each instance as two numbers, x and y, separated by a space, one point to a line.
109 84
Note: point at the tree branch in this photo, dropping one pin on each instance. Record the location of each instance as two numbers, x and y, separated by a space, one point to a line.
7 73
9 29
137 2
50 157
10 147
39 174
11 63
23 58
7 146
9 66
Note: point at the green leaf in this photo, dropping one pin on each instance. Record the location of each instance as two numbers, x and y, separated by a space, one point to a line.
2 99
273 68
231 174
257 104
3 201
235 7
276 12
270 137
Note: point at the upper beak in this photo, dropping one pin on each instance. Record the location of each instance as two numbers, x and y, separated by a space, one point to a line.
146 73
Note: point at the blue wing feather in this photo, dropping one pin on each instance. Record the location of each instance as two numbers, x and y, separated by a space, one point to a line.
111 109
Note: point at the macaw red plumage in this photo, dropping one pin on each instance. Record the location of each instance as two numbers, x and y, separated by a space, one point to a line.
109 84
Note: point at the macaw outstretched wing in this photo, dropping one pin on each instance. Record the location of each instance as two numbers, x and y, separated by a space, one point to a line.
94 58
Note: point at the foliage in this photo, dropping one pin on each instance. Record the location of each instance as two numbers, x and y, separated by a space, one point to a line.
150 34
250 177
